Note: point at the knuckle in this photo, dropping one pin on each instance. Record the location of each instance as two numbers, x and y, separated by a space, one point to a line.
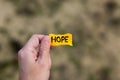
21 54
35 35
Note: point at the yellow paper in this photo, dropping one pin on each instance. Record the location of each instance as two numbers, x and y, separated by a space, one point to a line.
61 39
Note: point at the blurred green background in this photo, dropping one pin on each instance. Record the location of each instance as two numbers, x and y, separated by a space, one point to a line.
95 25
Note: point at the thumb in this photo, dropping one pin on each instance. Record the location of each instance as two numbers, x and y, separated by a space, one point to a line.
44 56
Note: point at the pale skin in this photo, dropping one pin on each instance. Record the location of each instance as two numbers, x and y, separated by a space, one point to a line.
35 64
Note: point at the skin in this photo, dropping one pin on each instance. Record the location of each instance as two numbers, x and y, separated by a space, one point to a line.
35 64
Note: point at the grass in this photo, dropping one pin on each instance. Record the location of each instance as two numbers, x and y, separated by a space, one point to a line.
110 6
92 77
0 47
3 30
32 7
114 22
58 28
53 5
104 73
15 45
76 62
27 7
4 66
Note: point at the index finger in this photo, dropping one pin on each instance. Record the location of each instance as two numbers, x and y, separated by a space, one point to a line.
34 41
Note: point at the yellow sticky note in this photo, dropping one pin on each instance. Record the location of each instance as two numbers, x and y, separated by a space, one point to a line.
61 39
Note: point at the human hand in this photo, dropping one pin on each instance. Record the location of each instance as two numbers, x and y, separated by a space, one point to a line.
33 64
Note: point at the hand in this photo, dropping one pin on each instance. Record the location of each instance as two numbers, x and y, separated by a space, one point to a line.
35 64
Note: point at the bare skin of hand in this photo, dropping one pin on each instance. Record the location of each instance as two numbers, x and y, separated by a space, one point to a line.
35 64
